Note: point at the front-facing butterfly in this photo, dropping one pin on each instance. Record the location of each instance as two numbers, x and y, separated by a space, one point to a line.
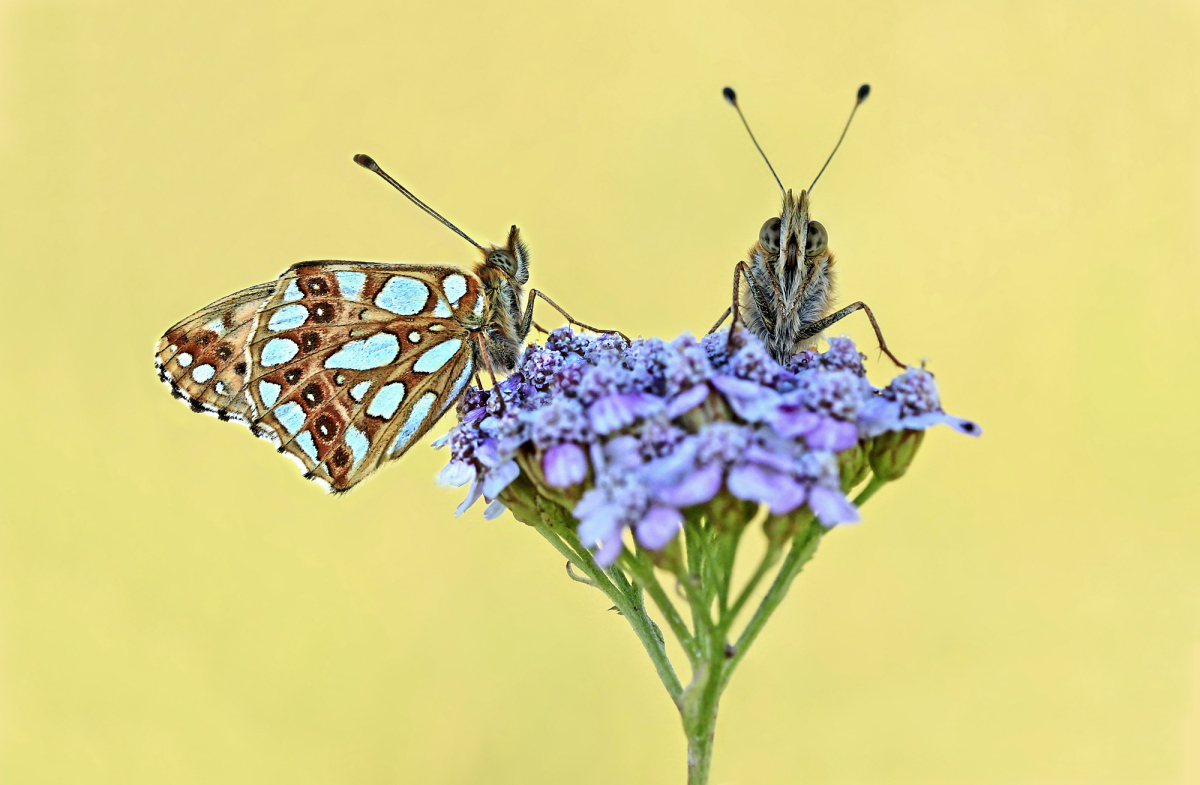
345 365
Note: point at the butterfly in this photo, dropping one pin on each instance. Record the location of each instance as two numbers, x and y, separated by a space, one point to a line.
790 277
344 365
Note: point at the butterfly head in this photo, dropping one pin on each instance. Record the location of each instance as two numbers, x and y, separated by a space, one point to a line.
784 237
510 260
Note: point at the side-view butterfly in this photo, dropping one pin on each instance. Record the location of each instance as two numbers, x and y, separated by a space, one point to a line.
345 365
788 293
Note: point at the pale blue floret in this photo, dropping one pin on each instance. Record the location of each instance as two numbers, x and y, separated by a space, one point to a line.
415 419
442 310
359 390
350 283
305 440
455 287
358 443
292 292
374 352
290 416
269 392
405 296
386 401
278 350
438 356
203 373
288 317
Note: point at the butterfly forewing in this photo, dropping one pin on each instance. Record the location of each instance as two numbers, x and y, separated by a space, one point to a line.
351 362
203 358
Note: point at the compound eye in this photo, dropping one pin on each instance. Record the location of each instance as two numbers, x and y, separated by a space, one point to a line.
768 236
501 261
818 240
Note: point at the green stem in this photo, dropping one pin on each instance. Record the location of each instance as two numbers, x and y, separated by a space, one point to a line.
768 561
701 701
643 573
804 545
630 606
874 485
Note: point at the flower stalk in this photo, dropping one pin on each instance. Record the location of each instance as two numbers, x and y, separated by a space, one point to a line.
644 465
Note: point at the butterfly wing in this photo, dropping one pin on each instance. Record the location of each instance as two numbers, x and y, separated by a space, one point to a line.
203 358
352 362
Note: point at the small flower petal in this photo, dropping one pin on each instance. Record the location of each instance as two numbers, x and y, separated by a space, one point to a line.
456 473
686 401
658 527
494 510
696 488
601 523
473 494
497 479
565 465
831 507
778 491
832 435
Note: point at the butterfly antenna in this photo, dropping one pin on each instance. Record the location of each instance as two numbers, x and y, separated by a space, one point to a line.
367 162
863 92
731 97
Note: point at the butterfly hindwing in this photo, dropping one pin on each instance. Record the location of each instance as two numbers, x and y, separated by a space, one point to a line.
351 362
203 358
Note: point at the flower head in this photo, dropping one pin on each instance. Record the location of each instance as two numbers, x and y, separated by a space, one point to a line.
646 432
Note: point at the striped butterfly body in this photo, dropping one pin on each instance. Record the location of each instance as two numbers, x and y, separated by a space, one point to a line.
785 292
345 365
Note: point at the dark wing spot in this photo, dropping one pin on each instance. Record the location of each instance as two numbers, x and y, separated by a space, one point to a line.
291 375
205 338
340 458
224 352
240 369
312 393
322 313
325 428
316 286
310 341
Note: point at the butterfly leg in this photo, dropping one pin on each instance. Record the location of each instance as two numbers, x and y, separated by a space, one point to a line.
819 326
527 322
743 270
481 345
720 321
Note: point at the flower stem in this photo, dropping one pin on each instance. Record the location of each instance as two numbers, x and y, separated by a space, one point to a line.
768 561
874 485
643 573
804 545
626 598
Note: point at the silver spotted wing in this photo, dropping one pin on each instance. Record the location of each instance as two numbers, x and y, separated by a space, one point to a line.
343 365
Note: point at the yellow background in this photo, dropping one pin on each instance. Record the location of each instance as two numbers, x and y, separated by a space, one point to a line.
1017 201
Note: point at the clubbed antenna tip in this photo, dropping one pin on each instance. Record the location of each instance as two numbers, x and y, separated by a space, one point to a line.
731 96
366 162
863 92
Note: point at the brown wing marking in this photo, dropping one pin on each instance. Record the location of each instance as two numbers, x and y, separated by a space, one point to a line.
332 338
203 358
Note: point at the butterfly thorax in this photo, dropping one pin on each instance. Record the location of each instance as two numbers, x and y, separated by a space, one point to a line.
793 276
503 273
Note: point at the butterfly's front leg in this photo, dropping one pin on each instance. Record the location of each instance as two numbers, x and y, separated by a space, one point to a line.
742 270
816 328
527 321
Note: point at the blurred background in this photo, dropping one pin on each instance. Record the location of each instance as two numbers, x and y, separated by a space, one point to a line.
1017 201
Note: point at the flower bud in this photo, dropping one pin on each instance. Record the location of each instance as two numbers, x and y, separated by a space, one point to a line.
853 466
727 513
893 451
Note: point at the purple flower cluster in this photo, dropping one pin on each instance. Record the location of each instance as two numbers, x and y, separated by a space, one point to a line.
633 436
